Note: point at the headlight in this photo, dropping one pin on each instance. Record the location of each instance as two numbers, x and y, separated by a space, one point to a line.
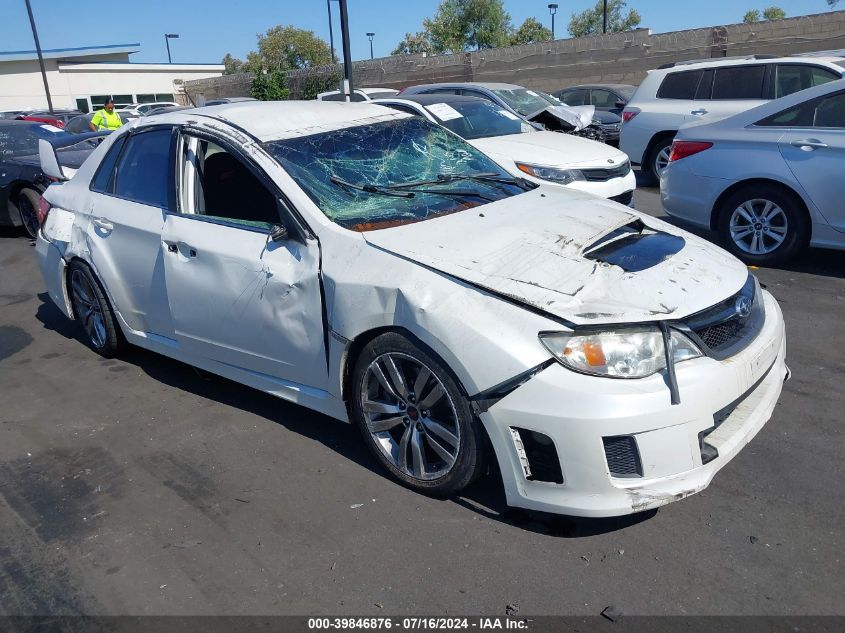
629 352
552 174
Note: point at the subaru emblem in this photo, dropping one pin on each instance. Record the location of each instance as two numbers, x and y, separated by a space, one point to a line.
743 307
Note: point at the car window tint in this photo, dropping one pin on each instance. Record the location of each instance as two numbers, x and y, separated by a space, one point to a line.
573 97
226 189
739 82
791 78
103 178
680 85
335 97
603 98
831 111
144 167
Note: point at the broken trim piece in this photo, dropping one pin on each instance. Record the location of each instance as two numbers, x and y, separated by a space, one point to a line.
668 349
482 401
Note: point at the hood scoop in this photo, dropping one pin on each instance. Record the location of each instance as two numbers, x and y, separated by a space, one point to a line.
634 247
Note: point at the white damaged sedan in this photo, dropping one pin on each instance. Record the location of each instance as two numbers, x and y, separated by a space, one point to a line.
375 267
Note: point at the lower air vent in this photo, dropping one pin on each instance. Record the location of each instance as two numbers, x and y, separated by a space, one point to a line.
540 453
623 458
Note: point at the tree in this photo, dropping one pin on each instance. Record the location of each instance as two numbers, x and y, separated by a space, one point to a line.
531 31
282 48
774 13
232 65
590 22
270 86
832 3
414 44
461 25
768 14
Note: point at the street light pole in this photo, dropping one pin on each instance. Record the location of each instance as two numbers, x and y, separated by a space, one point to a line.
167 38
40 56
371 36
331 30
553 10
347 51
604 21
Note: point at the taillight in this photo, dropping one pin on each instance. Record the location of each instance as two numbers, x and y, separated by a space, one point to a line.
43 209
629 113
682 149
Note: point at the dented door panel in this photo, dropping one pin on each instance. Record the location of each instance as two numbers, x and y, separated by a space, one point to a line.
242 300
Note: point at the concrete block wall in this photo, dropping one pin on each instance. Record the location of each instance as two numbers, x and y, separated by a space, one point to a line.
549 66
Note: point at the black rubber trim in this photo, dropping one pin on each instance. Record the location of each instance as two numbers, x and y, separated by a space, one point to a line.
483 400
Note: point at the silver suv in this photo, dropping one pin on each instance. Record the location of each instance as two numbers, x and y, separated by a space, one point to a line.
679 93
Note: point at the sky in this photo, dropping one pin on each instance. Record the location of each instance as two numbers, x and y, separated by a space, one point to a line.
209 29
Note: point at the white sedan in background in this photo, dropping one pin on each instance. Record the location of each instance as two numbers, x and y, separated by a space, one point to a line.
770 180
538 155
375 267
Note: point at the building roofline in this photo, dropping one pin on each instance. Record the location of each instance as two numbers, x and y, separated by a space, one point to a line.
78 51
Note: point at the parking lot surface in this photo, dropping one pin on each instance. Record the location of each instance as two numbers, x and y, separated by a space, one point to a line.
140 486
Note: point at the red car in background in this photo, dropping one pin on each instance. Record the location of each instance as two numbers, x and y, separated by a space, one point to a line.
58 118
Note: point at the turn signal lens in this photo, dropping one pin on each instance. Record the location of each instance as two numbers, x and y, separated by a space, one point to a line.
629 113
682 149
42 211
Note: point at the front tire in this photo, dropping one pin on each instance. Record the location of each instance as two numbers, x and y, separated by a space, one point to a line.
93 310
658 159
27 203
414 416
763 225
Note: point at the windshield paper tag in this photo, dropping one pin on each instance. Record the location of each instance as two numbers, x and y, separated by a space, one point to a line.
444 111
509 115
51 128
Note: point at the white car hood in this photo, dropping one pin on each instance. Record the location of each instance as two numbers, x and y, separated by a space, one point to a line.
551 149
531 249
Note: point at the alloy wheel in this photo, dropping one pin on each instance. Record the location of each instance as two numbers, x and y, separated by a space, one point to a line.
88 308
758 226
410 416
29 216
661 160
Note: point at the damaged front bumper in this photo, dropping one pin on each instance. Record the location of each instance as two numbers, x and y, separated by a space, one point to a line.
582 445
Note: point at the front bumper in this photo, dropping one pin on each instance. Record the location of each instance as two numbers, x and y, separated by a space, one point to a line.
609 188
578 412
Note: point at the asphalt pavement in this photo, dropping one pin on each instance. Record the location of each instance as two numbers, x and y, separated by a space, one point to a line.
140 486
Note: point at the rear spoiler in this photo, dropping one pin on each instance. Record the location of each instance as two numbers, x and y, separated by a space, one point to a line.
50 164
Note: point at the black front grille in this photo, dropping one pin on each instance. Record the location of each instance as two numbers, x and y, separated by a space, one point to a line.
602 175
624 198
623 458
722 334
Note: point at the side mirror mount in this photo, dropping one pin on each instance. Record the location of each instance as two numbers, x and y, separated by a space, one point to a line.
278 233
621 104
49 161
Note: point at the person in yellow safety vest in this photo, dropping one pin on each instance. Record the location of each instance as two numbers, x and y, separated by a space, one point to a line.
106 119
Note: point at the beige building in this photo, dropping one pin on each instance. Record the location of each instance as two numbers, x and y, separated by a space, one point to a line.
83 77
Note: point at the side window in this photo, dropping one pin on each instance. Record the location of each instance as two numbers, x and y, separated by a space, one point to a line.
831 111
574 97
680 85
446 91
217 184
335 97
603 98
102 181
739 82
791 78
144 168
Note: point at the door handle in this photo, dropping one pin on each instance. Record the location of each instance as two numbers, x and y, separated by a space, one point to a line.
809 144
699 111
102 223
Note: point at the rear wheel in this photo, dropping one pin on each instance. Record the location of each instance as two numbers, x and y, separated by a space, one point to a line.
93 311
763 225
27 203
414 417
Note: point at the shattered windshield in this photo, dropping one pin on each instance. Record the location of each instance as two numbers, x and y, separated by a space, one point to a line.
389 173
526 102
476 118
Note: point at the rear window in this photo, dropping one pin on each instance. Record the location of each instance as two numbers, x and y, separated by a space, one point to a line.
739 82
680 85
791 78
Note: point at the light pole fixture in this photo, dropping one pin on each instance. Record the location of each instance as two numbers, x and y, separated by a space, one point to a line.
40 57
167 38
348 88
553 10
604 19
371 36
331 31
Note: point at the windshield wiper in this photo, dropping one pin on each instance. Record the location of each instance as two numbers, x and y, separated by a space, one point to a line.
382 191
446 178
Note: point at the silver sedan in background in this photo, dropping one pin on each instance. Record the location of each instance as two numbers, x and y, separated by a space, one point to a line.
769 180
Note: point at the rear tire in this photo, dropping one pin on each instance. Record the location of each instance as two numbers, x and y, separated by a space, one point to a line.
763 225
658 158
93 311
429 441
27 203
